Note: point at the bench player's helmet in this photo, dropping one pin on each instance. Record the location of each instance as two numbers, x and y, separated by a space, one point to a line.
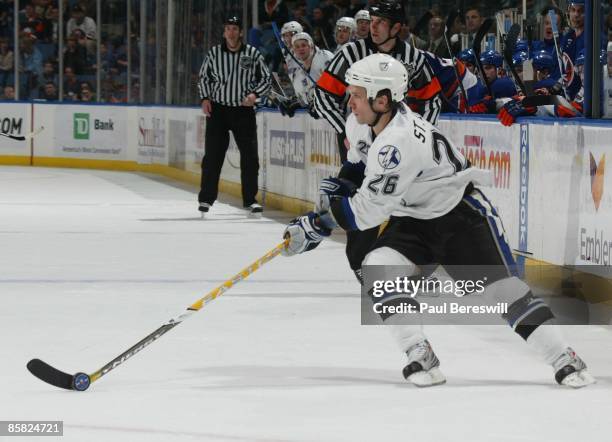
292 26
347 22
492 58
303 36
362 15
379 74
543 60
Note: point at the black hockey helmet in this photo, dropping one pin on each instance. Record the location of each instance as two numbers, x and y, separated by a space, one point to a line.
233 20
392 10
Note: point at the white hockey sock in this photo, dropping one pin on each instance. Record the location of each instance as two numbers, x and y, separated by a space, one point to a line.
548 341
406 335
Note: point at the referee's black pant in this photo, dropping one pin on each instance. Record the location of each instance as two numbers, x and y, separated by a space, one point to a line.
241 121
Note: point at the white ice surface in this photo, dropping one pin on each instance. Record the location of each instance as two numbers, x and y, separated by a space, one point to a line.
92 261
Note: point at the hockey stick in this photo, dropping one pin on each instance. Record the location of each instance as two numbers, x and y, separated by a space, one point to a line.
282 46
449 22
552 16
21 137
509 46
480 34
81 381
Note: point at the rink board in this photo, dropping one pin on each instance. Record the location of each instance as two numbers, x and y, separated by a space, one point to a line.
551 185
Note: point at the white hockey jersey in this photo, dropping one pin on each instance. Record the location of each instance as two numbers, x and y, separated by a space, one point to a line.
303 86
411 170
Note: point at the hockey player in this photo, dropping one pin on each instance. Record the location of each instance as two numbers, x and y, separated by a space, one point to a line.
468 58
345 31
444 71
386 17
314 61
544 67
419 179
573 39
362 19
288 30
501 86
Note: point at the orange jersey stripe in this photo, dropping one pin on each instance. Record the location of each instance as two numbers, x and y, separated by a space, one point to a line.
331 84
427 92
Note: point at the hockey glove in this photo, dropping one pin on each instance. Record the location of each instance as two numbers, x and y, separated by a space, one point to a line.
331 189
484 106
514 109
304 234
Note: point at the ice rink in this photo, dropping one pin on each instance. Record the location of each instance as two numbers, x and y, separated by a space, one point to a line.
93 261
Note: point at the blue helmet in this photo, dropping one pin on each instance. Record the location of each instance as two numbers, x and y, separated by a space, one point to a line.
603 58
467 56
519 58
521 45
543 60
493 58
576 2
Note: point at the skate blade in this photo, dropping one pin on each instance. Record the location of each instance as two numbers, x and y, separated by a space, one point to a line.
429 378
256 215
579 379
203 215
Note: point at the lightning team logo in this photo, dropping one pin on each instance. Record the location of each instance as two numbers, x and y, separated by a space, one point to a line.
389 157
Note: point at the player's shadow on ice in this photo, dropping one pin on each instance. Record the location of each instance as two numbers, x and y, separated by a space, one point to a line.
198 218
251 376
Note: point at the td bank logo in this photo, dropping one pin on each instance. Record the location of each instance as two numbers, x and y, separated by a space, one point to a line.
81 126
597 178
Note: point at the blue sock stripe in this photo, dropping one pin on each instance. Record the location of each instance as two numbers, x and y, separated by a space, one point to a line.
493 219
348 214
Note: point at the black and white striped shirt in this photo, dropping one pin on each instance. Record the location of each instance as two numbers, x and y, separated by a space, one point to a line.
227 77
423 87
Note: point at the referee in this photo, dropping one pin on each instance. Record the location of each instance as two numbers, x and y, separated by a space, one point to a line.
232 76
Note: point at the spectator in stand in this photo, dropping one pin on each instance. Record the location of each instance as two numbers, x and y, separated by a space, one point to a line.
7 61
31 65
322 30
6 17
108 62
299 15
52 17
473 20
355 7
86 93
273 10
413 40
81 21
49 92
436 44
75 56
48 74
72 87
9 93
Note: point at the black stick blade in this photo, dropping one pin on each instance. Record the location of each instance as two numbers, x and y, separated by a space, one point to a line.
50 375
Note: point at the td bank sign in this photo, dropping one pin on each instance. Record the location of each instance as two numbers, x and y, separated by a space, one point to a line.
82 128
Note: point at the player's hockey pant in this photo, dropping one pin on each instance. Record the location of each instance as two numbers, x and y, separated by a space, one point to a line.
241 121
470 242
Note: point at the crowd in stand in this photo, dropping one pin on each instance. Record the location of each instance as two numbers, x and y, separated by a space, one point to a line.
328 23
39 60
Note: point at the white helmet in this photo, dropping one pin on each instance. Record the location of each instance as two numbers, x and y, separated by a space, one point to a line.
347 22
302 36
291 26
364 14
377 72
